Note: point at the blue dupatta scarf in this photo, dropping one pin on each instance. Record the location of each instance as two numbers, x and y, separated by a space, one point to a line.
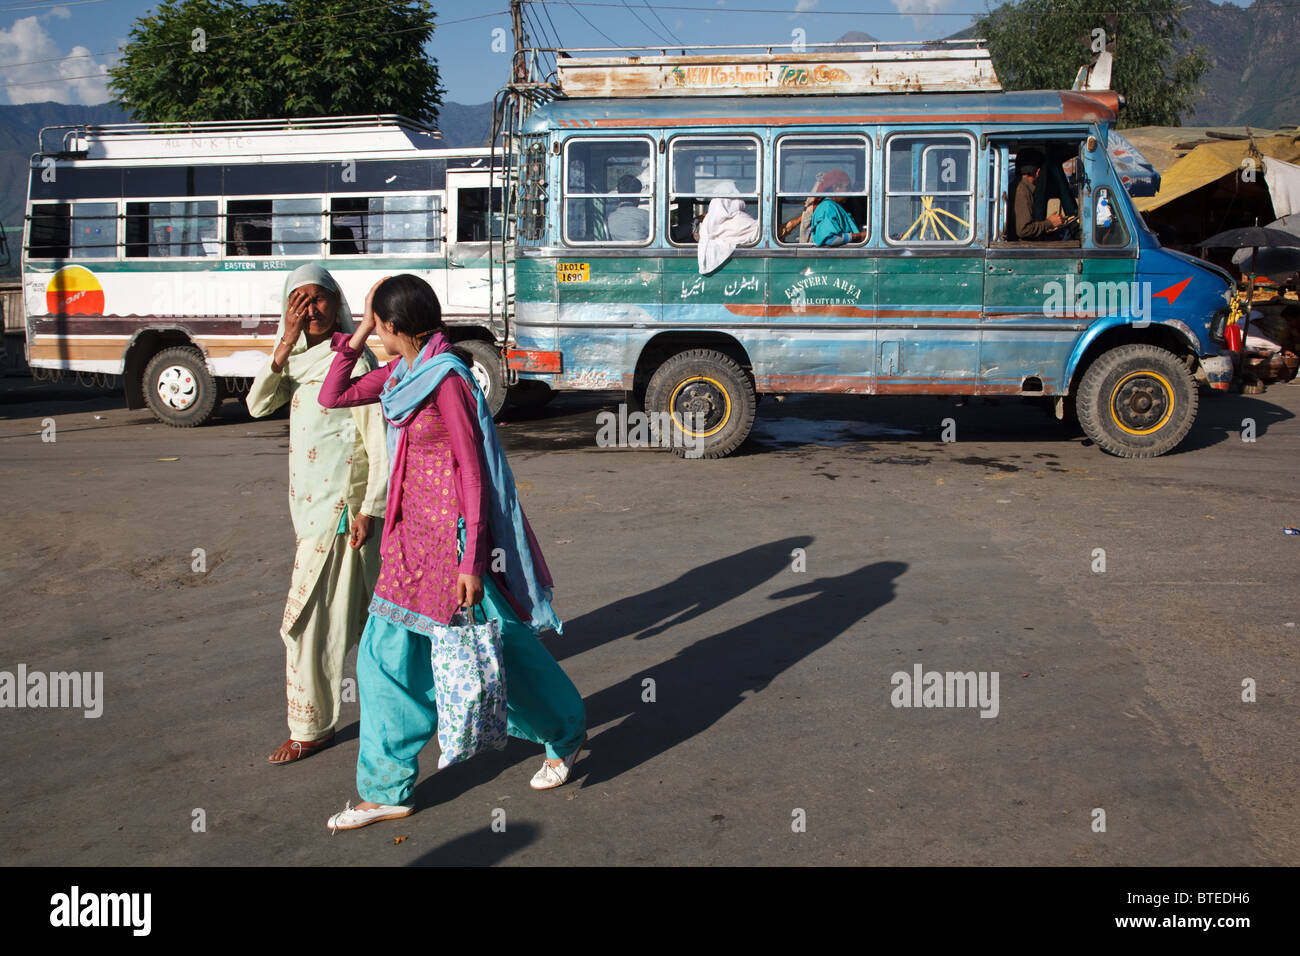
405 393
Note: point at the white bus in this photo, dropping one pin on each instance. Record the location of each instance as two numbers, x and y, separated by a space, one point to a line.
158 252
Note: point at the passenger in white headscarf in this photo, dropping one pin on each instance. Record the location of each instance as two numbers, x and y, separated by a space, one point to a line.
726 225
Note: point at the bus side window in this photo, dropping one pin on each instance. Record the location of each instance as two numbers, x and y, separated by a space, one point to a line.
1108 229
248 227
472 218
388 225
609 187
50 236
704 169
808 171
929 189
166 229
349 218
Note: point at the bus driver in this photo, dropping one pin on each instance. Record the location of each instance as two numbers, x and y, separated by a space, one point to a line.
1029 164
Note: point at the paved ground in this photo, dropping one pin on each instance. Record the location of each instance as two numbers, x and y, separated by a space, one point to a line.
1119 691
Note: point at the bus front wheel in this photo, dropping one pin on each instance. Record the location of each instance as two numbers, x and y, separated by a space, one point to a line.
179 389
1137 401
487 371
710 399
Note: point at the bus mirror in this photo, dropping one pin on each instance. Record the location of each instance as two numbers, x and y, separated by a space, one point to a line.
1092 144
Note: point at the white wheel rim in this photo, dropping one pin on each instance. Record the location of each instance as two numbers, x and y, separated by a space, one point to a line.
482 378
177 388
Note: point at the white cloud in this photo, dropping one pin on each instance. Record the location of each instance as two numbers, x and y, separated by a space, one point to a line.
803 6
62 13
72 77
920 9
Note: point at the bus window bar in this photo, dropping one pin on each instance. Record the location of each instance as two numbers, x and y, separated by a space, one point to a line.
35 250
245 216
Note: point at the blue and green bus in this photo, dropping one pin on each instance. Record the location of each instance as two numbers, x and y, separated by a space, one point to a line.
936 294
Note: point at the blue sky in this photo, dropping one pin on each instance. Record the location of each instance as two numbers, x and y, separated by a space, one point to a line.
59 49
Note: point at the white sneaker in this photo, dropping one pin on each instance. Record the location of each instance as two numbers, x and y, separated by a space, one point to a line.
552 776
350 818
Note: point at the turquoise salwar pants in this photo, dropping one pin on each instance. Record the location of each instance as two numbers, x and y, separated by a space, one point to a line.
399 714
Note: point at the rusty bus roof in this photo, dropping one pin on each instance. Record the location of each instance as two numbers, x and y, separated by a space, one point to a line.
828 69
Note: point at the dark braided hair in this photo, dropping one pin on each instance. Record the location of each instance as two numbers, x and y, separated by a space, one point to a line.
410 305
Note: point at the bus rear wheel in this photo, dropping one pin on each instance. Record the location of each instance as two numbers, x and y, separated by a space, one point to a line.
179 389
487 371
710 399
1137 401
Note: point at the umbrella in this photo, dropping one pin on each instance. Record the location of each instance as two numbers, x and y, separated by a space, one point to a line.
1253 237
1277 264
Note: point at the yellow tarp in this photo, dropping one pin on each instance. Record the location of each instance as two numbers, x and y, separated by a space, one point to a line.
1212 161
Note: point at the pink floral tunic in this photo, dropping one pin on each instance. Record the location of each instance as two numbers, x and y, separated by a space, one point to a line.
420 568
442 482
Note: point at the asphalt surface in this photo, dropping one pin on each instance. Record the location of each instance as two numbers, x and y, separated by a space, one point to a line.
771 737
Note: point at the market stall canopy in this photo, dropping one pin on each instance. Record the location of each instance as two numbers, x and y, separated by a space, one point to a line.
1209 162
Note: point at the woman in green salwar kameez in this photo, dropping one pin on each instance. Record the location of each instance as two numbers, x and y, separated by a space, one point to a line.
338 482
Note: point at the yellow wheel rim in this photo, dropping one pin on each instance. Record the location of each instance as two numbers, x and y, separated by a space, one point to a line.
1127 392
721 390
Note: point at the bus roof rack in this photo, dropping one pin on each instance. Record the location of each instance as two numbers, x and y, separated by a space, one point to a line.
75 137
855 67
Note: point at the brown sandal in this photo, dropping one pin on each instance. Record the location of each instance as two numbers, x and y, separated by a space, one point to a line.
299 749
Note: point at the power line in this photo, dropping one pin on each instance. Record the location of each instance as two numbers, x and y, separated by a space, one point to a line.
36 4
538 31
547 13
676 38
786 11
657 34
588 22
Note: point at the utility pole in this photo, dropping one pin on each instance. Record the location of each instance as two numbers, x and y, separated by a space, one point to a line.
518 66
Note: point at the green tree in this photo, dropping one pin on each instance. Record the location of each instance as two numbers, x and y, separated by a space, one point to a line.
1040 45
222 59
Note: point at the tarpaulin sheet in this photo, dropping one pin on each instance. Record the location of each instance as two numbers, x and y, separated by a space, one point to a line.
1210 162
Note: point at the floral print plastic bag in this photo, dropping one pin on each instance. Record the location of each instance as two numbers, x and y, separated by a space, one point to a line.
469 687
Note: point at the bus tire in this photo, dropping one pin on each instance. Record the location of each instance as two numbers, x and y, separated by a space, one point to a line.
179 389
701 381
1137 401
487 371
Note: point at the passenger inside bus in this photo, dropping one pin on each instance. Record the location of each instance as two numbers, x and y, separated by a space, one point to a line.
628 222
831 223
726 225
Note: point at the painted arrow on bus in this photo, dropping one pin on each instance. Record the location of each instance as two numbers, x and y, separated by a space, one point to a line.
1173 292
